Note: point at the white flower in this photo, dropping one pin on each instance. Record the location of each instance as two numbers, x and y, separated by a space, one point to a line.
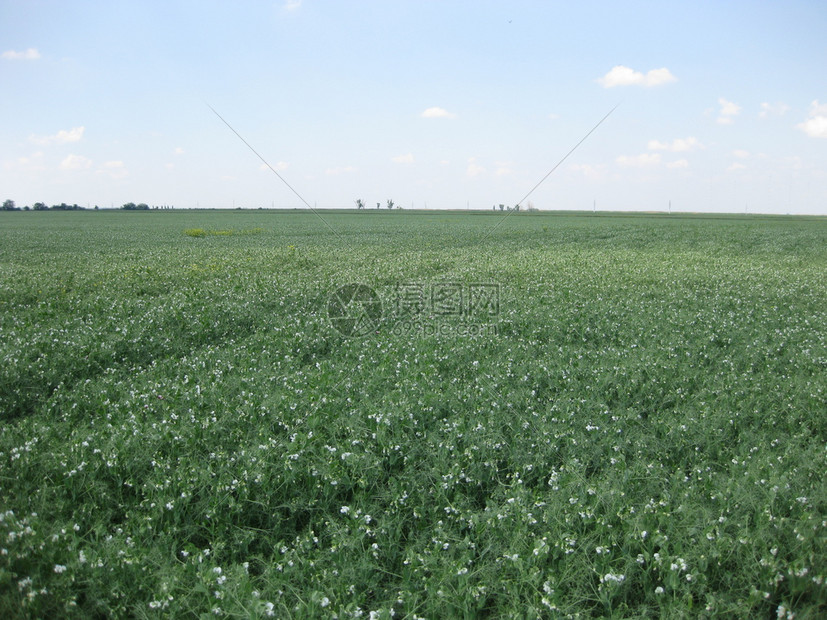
59 568
324 602
611 577
344 510
268 609
659 590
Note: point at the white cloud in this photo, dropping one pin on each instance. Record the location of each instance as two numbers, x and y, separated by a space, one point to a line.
728 111
678 145
768 108
624 76
29 54
437 112
403 159
474 169
736 166
639 161
816 124
292 5
740 153
75 162
553 116
61 137
178 150
678 164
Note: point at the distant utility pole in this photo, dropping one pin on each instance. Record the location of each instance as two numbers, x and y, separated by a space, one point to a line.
594 206
670 207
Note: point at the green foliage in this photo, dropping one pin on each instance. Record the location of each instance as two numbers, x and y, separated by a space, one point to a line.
200 232
184 433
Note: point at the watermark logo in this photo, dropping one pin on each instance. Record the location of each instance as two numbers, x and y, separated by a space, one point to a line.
354 310
426 309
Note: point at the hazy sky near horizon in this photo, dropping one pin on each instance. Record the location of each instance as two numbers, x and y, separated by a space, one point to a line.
721 106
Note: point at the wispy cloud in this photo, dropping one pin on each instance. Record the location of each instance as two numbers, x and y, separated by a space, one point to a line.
115 169
340 170
408 158
678 145
736 166
75 162
437 112
279 165
779 109
728 111
639 161
474 169
678 164
29 54
32 163
624 76
816 124
292 5
61 137
178 151
503 168
593 173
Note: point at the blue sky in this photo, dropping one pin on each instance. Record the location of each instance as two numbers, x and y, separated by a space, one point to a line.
722 106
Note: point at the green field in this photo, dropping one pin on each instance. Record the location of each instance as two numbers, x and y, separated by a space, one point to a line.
553 415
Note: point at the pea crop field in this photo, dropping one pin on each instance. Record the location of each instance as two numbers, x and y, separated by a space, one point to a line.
397 414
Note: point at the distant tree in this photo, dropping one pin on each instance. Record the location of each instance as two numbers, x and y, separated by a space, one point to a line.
360 204
27 208
8 205
129 206
502 207
143 207
390 203
40 206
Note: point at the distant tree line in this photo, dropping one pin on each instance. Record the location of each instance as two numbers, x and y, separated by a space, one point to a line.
9 205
